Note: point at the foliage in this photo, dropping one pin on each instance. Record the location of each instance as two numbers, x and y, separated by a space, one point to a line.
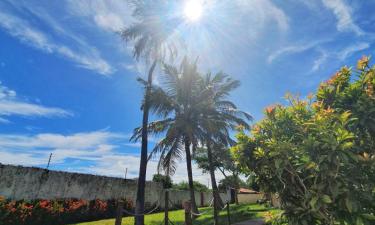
252 182
185 186
231 182
153 32
238 213
165 180
222 160
55 212
319 154
191 106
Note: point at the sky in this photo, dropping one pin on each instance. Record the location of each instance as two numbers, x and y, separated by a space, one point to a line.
68 82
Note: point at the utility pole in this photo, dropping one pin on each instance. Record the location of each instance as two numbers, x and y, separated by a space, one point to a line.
126 172
49 160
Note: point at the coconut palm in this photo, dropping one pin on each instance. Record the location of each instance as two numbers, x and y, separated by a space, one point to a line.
153 39
195 111
179 102
219 117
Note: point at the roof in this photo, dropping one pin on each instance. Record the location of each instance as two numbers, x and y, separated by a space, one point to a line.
247 191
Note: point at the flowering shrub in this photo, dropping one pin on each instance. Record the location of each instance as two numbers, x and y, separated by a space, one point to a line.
319 154
55 212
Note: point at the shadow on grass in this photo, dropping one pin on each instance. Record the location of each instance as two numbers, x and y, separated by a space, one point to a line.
238 213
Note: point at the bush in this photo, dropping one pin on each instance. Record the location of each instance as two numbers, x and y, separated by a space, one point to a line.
319 154
55 212
183 185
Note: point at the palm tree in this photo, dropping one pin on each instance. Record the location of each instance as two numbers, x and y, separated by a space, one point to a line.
219 117
151 34
195 110
179 102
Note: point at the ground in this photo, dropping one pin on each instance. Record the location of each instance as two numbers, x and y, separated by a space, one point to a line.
238 213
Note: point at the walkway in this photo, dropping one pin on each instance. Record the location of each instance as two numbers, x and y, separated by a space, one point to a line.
251 222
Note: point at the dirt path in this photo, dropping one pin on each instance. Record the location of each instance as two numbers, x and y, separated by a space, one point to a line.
251 222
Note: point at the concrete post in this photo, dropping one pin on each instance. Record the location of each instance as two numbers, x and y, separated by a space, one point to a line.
120 207
187 207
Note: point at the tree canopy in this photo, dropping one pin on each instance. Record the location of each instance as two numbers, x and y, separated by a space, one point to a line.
318 154
185 186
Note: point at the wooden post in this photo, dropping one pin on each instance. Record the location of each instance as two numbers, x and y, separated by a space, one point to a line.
187 207
120 207
202 199
228 213
166 204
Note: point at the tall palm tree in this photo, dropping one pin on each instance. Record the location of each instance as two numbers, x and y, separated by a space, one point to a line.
195 110
151 35
219 117
179 102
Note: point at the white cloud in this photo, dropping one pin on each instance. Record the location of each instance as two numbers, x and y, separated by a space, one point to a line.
83 146
111 15
319 61
11 105
20 108
263 10
89 58
348 51
343 15
115 165
98 148
2 120
27 159
292 49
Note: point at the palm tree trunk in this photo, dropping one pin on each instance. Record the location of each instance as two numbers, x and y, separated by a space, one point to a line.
194 207
237 185
215 191
140 201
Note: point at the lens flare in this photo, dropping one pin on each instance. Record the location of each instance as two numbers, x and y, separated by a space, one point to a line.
193 10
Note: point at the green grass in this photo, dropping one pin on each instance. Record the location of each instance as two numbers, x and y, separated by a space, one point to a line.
238 213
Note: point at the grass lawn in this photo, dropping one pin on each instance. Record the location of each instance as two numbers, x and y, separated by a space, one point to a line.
238 213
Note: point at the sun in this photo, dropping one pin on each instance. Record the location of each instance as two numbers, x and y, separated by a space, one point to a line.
193 10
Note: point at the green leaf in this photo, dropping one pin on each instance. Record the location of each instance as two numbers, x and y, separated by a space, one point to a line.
313 202
326 199
368 216
349 205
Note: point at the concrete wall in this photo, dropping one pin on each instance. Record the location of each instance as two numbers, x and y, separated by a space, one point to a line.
17 182
201 198
249 198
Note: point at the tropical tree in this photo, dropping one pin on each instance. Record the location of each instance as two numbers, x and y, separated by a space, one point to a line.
219 117
179 103
153 39
163 179
231 182
318 154
222 160
185 186
201 114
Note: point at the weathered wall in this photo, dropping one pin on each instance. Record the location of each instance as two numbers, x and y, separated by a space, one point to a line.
201 198
17 182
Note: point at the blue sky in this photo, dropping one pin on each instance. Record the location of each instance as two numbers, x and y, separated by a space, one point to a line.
68 82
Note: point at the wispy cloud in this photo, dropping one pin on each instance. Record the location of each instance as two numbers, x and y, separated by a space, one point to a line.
293 49
351 49
111 15
261 11
320 60
84 146
11 105
97 149
342 12
30 35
